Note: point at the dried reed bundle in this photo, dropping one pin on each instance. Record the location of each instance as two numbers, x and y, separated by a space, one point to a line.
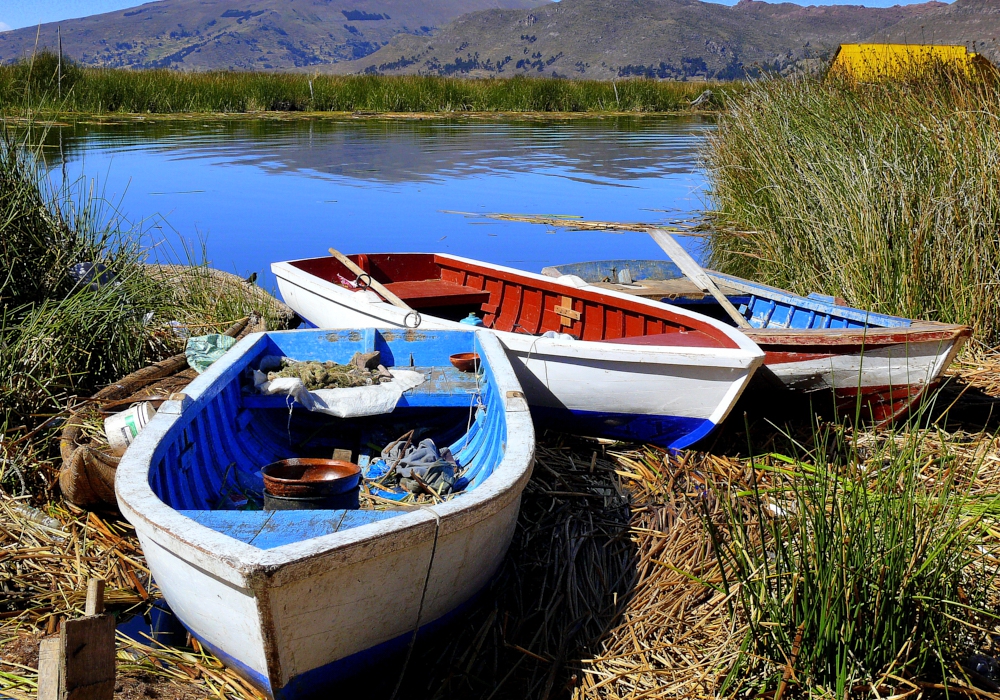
48 557
580 224
676 637
613 588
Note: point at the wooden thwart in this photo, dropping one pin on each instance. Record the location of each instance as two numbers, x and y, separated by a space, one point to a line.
695 273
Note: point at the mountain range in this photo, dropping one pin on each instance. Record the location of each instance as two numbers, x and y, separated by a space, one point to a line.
678 39
241 34
620 38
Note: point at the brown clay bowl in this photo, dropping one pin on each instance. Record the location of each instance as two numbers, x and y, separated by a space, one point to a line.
465 361
305 478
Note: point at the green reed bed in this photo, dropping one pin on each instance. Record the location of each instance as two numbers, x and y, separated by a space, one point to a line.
59 337
863 566
35 85
62 337
886 194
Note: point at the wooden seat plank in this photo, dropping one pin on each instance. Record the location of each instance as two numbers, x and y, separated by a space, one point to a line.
422 294
670 289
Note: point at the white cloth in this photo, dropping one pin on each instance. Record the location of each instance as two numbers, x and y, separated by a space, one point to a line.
350 402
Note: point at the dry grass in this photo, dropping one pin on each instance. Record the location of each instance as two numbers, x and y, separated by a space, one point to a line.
48 555
610 590
675 638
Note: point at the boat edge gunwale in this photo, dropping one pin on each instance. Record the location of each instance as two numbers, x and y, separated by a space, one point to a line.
919 330
746 354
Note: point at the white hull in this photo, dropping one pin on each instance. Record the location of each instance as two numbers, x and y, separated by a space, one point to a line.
297 616
915 364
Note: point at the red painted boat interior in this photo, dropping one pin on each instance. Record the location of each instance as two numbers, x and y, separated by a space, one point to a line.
509 301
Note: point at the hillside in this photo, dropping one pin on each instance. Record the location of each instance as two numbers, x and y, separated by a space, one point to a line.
620 38
242 34
963 22
676 39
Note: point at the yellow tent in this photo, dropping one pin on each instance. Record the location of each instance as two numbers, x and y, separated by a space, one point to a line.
874 62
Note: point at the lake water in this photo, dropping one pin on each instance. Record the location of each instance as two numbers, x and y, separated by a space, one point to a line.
262 191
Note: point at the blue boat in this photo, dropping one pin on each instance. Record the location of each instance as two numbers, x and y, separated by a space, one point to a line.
816 343
296 599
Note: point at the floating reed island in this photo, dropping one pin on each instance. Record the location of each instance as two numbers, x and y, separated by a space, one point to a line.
814 560
34 84
833 564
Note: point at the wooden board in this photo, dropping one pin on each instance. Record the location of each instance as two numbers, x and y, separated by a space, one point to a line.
669 289
428 293
49 668
89 663
566 311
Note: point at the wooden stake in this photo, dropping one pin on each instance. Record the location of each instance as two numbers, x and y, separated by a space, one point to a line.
50 664
79 663
95 597
88 647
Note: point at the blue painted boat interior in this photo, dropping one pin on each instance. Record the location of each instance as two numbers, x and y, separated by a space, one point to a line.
761 305
208 465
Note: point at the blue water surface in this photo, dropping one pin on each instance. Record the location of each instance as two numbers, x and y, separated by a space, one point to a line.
262 191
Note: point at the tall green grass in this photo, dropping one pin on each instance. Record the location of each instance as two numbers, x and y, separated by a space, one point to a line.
59 337
884 194
32 84
855 566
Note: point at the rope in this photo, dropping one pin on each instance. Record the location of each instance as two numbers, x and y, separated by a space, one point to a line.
423 596
87 476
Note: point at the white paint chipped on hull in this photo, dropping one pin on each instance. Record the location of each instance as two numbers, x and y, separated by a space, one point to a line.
914 364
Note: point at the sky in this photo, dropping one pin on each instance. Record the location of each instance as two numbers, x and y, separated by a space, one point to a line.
27 13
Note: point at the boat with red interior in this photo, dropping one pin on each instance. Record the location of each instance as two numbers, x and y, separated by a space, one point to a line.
594 361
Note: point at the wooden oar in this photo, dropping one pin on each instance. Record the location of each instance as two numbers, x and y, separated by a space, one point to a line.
375 284
695 273
372 282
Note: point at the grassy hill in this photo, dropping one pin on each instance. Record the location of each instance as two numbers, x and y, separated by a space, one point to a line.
678 39
963 22
242 34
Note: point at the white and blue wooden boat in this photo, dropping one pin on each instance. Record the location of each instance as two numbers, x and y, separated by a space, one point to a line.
294 600
590 361
811 343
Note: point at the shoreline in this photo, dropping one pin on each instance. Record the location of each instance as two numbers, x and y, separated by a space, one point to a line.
50 119
640 532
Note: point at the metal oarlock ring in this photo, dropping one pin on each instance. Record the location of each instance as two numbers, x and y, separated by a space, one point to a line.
362 284
416 320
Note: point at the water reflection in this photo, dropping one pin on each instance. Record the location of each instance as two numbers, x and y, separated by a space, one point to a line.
272 190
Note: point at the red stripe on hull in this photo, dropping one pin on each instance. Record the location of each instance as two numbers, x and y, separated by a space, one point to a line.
880 404
780 358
